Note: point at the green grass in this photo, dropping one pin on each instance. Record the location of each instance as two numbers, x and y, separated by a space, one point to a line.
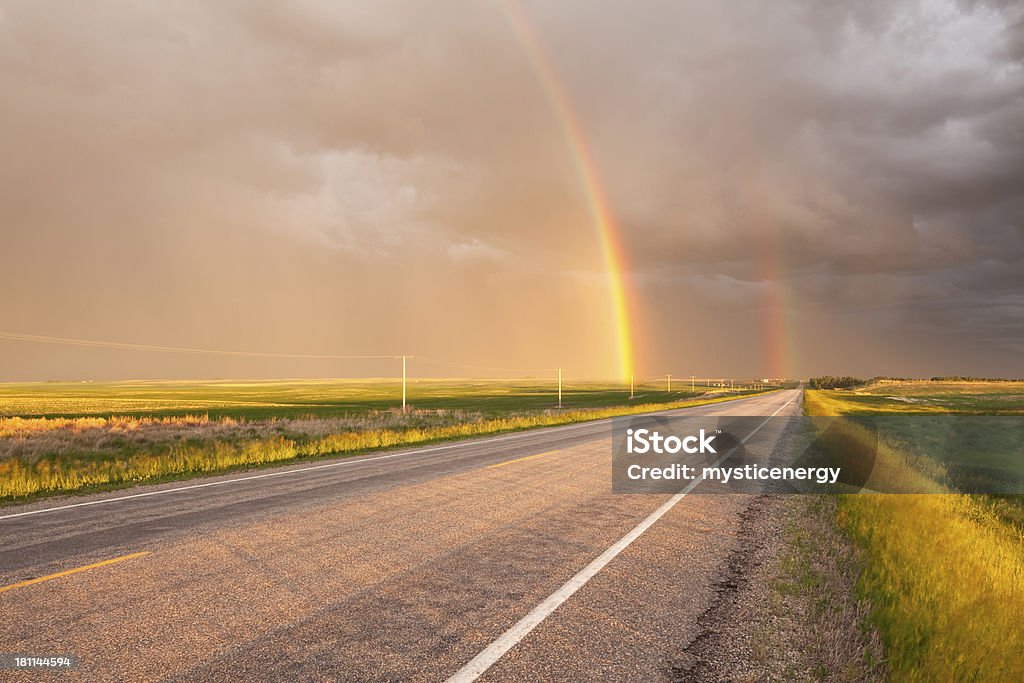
63 438
944 572
313 398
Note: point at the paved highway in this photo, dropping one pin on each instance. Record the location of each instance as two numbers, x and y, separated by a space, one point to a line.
497 559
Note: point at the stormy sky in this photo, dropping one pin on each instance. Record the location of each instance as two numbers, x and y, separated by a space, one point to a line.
801 187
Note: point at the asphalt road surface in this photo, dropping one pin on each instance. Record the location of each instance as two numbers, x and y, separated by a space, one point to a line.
498 559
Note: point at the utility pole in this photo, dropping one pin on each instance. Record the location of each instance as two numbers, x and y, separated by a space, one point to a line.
691 383
670 384
631 377
559 387
732 384
404 406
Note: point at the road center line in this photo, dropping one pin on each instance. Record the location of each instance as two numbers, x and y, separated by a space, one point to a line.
66 572
528 457
507 640
348 461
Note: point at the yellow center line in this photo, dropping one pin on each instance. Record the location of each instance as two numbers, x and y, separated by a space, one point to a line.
94 565
529 457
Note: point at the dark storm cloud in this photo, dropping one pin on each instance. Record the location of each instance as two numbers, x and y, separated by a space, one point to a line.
864 156
230 171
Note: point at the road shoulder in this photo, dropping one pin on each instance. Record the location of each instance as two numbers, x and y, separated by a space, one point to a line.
786 607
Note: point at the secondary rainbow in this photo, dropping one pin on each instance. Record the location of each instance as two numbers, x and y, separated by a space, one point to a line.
777 308
611 247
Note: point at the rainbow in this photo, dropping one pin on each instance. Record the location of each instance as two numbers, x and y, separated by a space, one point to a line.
611 246
776 310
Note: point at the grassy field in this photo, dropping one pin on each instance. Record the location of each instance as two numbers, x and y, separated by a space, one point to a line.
962 398
60 438
944 572
313 398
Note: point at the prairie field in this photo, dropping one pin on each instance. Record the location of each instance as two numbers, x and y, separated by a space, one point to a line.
66 437
317 398
944 571
923 396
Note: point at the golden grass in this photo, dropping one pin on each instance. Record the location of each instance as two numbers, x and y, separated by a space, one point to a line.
833 402
20 477
24 426
946 580
922 396
945 575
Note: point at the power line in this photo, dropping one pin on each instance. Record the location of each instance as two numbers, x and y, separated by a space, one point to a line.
93 343
68 341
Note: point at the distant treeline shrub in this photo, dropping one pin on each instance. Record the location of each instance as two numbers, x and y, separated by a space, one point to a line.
836 382
960 378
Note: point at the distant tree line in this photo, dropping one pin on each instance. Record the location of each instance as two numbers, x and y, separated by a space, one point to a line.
847 382
960 378
835 382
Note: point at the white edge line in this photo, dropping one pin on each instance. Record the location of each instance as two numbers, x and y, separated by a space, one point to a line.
507 640
339 463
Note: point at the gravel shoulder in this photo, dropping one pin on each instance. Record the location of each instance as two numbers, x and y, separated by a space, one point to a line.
786 608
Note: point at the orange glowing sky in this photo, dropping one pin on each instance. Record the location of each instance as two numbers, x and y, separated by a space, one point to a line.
695 188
